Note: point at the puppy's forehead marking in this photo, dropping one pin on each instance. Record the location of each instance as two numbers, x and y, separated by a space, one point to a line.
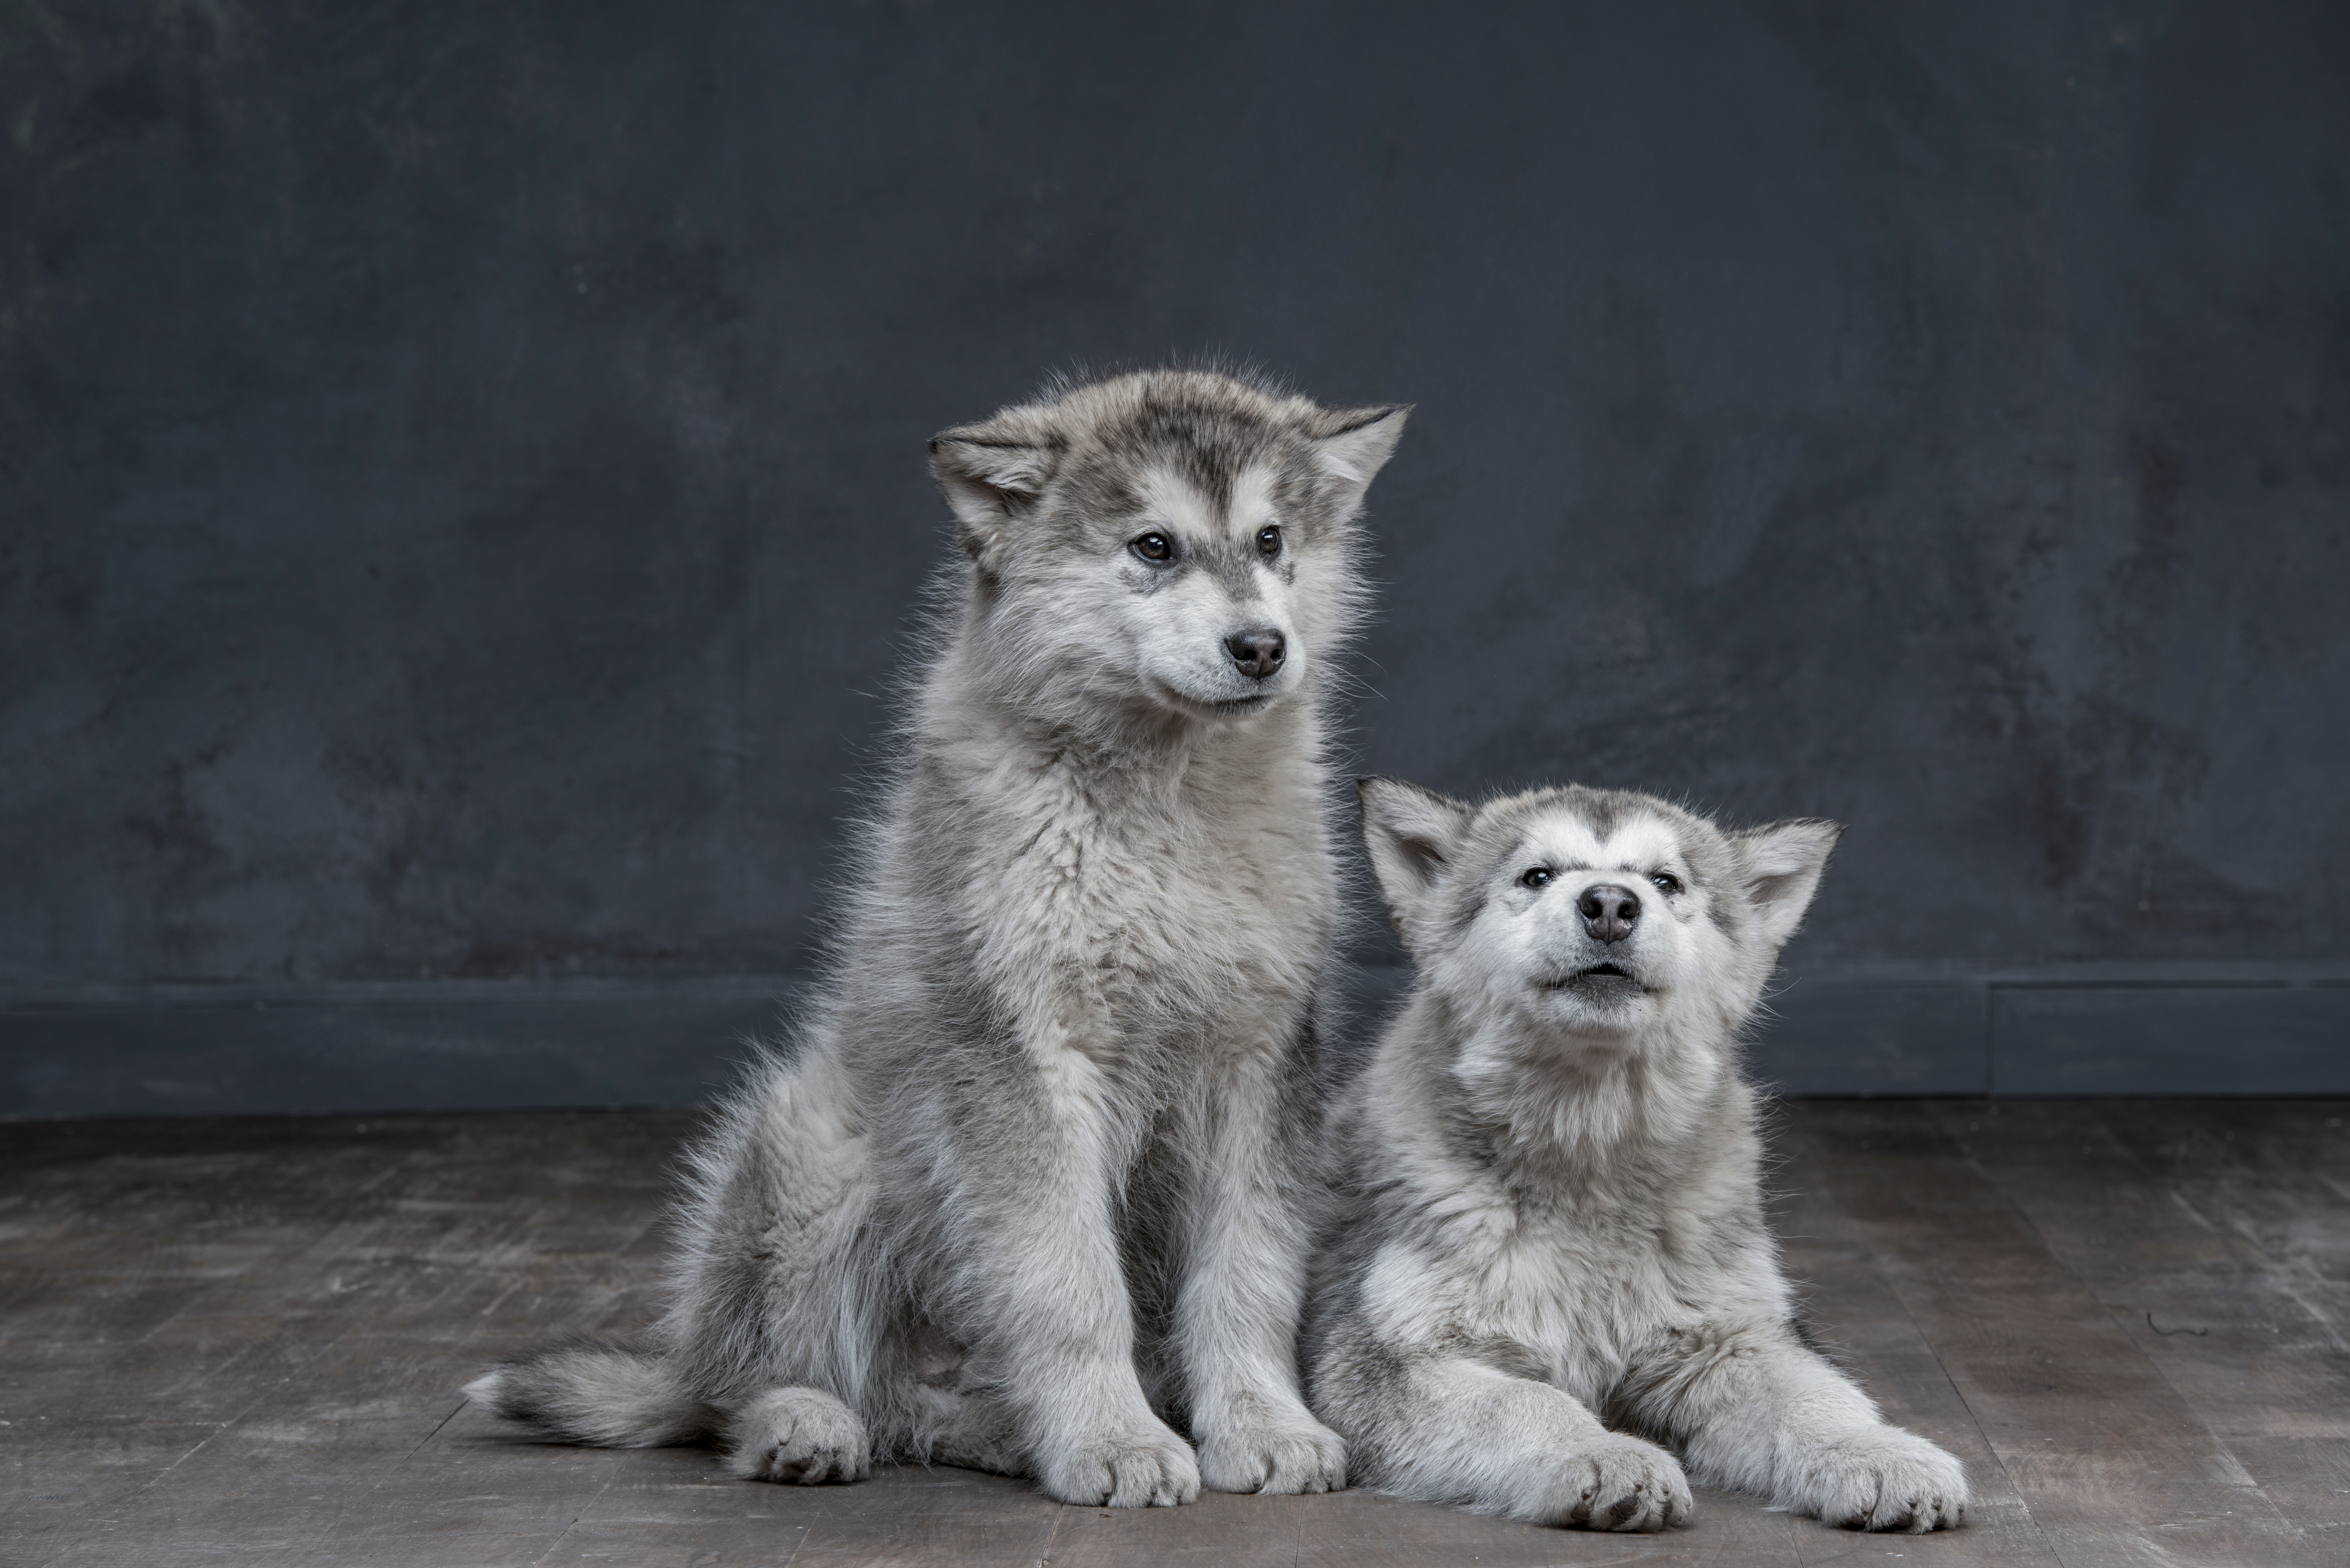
1564 841
1637 844
1173 501
1640 845
1251 506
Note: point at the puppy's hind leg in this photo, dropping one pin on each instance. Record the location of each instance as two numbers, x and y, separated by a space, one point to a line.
801 1435
772 1307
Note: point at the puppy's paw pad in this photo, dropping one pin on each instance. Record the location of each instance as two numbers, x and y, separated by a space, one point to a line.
1140 1467
1622 1483
1885 1479
801 1436
1273 1455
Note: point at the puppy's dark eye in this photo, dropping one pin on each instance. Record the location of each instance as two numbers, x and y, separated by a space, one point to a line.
1268 541
1154 547
1666 881
1539 876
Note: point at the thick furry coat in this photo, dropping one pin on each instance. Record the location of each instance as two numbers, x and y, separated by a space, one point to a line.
1029 1189
1554 1265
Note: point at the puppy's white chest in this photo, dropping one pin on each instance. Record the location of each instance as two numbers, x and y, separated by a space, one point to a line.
1580 1293
1109 923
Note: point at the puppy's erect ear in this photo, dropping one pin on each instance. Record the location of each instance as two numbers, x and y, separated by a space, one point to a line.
1782 864
990 474
1413 836
1353 444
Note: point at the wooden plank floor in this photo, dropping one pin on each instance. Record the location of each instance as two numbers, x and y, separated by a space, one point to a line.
240 1341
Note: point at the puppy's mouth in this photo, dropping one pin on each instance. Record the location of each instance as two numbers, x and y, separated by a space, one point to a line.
1200 706
1601 982
1248 704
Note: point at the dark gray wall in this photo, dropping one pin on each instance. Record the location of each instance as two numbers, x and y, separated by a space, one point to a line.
462 488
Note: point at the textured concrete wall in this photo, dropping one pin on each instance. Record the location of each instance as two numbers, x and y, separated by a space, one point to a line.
462 490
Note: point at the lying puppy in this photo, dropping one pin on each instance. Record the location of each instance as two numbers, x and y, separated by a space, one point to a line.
1554 1217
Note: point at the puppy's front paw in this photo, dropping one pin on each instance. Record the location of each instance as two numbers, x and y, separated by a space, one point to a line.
801 1435
1882 1478
1616 1483
1257 1446
1130 1468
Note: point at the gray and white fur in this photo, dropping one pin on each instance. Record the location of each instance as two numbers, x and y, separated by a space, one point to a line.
1554 1273
1032 1186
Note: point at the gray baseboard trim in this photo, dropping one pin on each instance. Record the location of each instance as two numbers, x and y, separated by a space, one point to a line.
2121 1029
2249 1039
2112 1030
402 1045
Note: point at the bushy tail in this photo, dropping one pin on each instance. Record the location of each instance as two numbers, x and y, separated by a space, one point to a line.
597 1395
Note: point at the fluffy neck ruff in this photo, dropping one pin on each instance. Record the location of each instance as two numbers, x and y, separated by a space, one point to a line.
1573 1110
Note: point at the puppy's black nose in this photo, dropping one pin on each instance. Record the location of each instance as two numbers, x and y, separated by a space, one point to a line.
1608 911
1256 654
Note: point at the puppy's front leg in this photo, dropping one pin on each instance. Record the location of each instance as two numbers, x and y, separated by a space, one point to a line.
1758 1409
1445 1428
1244 1279
1028 1223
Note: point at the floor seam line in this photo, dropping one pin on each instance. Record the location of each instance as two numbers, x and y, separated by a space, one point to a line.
564 1533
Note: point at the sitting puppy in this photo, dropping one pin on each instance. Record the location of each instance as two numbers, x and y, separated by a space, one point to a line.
1553 1221
1027 1187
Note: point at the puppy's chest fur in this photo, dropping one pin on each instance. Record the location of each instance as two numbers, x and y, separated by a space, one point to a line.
1561 1275
1124 921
